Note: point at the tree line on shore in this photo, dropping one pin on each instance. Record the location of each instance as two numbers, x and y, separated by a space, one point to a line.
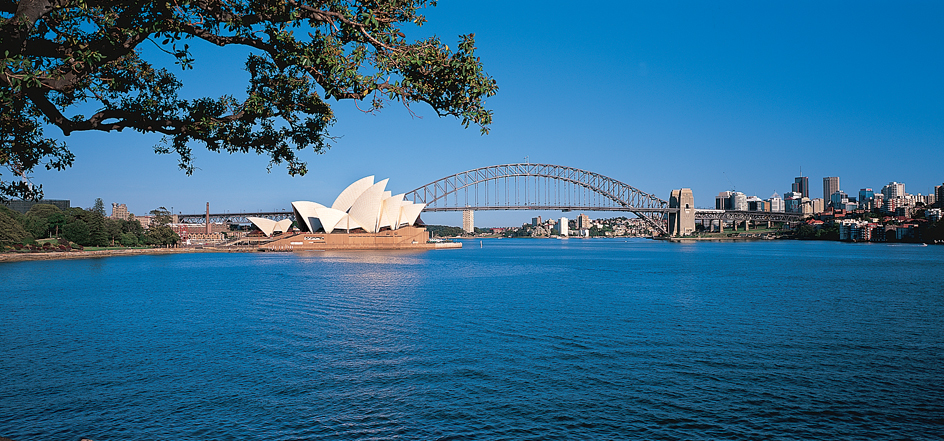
82 227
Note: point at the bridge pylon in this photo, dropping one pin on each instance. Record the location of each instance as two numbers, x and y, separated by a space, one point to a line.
682 219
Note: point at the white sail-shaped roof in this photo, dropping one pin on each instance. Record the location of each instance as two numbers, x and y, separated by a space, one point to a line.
330 218
283 225
363 204
308 211
410 212
350 194
390 211
366 209
265 225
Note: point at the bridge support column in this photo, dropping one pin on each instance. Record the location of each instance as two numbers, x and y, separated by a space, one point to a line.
721 225
747 225
682 221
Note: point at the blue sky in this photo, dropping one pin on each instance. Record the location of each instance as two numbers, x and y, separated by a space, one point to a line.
659 95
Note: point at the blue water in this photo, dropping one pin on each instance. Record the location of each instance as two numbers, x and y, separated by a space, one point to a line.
507 339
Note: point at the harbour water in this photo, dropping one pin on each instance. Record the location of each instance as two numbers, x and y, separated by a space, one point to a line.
507 339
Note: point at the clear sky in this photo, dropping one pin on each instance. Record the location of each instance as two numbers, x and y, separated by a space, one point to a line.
659 95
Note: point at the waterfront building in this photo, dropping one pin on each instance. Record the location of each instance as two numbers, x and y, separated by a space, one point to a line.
536 221
363 205
933 214
267 226
855 230
830 186
939 195
562 227
468 221
583 222
801 184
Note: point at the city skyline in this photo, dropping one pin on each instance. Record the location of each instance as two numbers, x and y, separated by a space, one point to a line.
709 97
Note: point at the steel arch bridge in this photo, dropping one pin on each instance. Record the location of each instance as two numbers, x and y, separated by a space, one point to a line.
539 187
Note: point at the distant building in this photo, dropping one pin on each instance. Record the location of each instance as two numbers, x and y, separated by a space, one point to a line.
894 190
535 221
24 206
838 199
738 201
755 203
562 229
145 221
119 211
583 222
939 195
801 184
866 198
933 214
776 203
819 205
723 200
830 186
468 221
792 202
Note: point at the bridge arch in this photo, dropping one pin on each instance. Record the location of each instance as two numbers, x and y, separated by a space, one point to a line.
519 187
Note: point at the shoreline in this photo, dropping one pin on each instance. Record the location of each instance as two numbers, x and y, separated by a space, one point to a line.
30 257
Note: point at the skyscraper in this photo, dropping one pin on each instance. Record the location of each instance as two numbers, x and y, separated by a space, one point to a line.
894 190
468 221
830 186
801 184
866 198
939 195
583 222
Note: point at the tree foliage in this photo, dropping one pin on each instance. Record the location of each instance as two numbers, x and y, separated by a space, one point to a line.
57 55
11 229
160 233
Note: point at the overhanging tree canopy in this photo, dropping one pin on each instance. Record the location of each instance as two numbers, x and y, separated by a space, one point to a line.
60 54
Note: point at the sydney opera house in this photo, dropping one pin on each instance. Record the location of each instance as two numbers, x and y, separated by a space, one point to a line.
364 216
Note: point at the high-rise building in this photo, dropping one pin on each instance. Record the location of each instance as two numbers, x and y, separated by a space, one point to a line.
791 202
839 199
468 221
830 186
562 227
583 222
776 203
119 211
738 201
939 195
535 221
818 204
866 198
894 190
801 184
723 200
